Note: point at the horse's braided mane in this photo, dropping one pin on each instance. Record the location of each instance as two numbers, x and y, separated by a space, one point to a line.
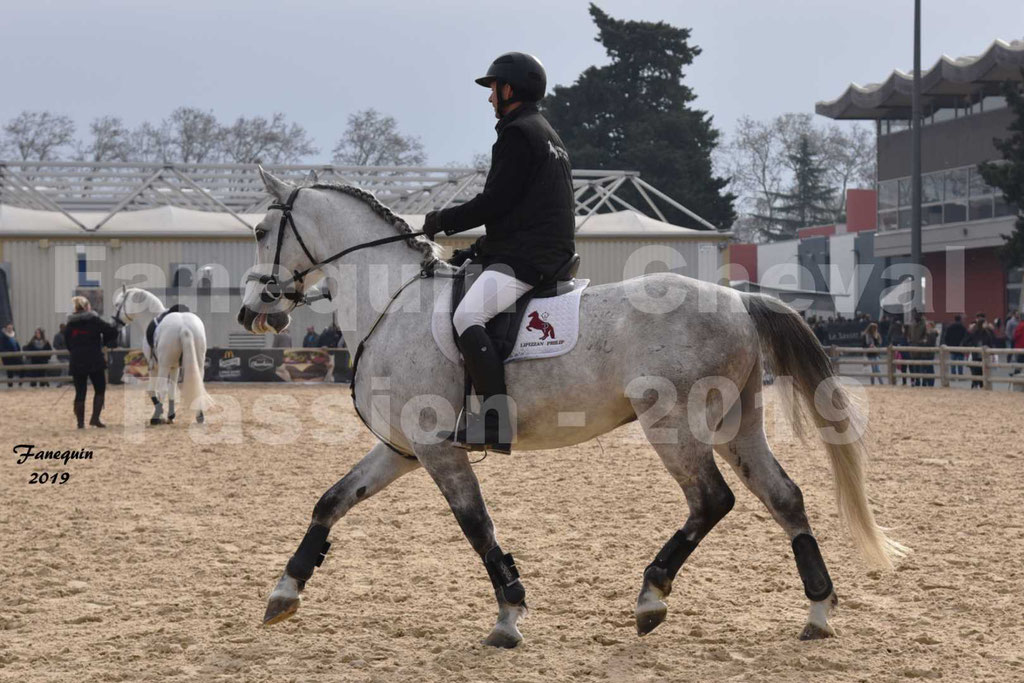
431 250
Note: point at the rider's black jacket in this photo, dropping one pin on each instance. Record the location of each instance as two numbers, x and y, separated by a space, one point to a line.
527 201
86 333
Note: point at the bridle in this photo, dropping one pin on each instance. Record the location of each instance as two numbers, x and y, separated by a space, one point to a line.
274 289
120 307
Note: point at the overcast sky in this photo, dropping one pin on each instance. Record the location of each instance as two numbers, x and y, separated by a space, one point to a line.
320 60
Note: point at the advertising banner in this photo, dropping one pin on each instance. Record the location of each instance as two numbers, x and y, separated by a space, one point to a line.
301 366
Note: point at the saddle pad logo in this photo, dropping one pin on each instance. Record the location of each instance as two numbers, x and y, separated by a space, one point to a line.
538 323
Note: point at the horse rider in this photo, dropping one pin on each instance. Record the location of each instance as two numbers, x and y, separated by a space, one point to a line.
527 207
86 334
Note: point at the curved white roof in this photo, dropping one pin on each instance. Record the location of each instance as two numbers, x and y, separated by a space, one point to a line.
945 84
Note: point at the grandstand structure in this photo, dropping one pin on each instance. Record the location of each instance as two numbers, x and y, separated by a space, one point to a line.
89 194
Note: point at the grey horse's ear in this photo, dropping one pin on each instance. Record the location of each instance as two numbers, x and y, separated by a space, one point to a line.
279 189
312 178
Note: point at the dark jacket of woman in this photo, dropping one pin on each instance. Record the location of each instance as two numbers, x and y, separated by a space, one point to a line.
86 334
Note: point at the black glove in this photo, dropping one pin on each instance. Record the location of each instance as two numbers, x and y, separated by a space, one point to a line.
460 256
430 224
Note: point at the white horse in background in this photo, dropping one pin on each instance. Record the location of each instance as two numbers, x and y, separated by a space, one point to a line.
179 342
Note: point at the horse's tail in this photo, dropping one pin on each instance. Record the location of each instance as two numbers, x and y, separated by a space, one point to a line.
792 350
192 390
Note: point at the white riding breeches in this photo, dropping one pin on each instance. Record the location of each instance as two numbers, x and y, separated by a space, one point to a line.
491 293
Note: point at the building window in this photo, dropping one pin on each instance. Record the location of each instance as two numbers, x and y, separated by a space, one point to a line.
953 196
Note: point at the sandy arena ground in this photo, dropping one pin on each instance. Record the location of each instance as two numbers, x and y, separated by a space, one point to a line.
154 560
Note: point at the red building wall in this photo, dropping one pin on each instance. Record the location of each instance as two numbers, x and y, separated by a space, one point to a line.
743 262
861 211
816 231
983 288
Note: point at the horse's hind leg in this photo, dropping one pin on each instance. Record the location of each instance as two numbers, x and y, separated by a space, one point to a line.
373 473
692 465
453 474
753 461
171 388
154 394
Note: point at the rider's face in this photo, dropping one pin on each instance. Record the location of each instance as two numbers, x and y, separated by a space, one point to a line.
493 99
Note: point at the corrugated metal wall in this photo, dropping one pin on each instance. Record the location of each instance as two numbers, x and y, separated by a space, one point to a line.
604 260
44 273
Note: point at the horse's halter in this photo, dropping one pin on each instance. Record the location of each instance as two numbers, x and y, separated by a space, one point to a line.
273 290
120 308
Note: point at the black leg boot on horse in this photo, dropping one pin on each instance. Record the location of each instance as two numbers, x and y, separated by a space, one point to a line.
493 429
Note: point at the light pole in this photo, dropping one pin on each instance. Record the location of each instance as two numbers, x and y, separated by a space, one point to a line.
915 152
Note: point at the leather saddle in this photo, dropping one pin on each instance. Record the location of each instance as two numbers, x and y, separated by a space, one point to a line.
504 327
151 328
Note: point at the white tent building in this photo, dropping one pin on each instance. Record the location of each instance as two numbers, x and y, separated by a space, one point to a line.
185 234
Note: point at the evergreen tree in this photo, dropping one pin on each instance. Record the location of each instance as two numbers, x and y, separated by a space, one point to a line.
635 114
809 199
1009 176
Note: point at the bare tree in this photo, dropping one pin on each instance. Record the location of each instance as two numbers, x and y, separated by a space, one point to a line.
849 159
194 136
149 143
373 139
755 160
37 135
271 141
760 160
111 141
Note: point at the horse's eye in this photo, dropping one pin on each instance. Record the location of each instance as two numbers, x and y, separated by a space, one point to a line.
260 234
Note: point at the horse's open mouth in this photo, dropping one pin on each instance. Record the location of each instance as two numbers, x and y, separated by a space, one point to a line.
263 323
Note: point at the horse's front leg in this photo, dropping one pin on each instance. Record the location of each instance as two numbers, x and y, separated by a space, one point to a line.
373 473
452 472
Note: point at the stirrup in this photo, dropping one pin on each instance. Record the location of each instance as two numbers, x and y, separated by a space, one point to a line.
459 437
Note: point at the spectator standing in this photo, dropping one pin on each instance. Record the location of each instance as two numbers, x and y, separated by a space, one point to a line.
9 344
331 338
931 339
1018 343
1011 326
954 335
978 334
39 342
87 334
58 339
311 339
898 337
871 339
917 332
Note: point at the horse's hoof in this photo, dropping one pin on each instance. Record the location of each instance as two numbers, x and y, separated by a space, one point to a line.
649 615
504 638
279 609
170 418
200 418
155 421
815 632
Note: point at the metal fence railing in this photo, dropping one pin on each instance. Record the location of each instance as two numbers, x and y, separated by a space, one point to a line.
945 364
25 372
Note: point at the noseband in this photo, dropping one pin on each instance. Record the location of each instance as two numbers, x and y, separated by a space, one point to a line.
273 289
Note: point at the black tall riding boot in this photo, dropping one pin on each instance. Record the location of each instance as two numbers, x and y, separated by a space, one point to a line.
80 413
488 374
97 408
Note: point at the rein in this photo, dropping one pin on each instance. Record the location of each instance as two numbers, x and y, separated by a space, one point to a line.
273 290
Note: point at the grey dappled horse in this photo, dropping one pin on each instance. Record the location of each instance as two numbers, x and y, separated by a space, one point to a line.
647 347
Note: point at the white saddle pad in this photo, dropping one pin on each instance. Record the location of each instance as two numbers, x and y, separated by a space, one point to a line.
550 327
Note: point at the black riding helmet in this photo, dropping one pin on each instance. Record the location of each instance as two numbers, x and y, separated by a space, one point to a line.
523 72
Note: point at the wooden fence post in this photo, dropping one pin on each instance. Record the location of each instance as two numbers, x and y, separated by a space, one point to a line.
889 365
943 361
986 381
